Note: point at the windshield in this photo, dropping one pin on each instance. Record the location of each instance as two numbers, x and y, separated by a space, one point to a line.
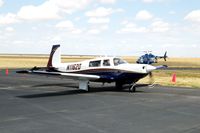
118 61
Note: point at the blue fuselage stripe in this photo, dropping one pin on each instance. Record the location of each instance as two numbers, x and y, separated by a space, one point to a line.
113 75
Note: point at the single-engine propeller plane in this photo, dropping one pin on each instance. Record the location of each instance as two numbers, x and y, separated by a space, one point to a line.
102 69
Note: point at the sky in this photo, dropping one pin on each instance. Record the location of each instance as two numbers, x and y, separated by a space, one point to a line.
101 27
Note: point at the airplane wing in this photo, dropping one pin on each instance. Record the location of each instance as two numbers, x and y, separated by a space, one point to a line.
82 78
61 74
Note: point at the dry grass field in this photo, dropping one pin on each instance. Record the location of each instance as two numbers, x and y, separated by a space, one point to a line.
185 78
29 61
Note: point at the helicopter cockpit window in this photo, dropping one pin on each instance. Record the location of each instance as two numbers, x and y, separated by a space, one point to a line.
118 61
95 63
106 62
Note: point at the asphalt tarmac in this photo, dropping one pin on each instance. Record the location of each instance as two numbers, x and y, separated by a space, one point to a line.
34 104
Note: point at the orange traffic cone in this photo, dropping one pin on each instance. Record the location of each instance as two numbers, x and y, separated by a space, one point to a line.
174 78
7 72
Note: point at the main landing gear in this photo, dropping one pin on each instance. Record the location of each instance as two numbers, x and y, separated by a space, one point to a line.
84 85
118 85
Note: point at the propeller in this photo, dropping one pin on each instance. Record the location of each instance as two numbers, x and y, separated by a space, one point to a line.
151 79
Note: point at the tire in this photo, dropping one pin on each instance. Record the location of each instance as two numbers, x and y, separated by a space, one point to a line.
119 86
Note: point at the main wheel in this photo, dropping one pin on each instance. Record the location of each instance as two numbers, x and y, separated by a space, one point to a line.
88 86
118 85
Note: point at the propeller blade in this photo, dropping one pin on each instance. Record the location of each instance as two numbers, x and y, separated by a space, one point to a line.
151 79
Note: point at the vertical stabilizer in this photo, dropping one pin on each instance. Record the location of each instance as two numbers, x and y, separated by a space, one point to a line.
55 57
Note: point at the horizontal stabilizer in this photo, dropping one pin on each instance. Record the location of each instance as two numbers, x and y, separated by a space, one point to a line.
23 71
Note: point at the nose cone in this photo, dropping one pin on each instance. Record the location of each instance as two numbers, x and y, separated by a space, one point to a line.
150 68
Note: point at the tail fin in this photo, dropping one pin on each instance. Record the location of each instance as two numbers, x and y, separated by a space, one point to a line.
54 58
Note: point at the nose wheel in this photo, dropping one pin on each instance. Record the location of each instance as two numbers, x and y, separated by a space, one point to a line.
132 88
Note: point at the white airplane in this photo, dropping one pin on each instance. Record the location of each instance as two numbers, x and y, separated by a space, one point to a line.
103 69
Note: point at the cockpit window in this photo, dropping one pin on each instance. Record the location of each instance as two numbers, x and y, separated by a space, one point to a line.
95 63
106 62
118 61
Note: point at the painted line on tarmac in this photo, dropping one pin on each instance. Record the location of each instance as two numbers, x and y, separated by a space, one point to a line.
13 87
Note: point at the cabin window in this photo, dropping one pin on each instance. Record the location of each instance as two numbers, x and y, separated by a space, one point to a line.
106 62
118 61
95 63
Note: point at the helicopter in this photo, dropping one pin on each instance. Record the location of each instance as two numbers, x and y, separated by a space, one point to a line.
150 58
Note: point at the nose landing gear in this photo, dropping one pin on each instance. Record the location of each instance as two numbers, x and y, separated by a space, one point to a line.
119 86
132 88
